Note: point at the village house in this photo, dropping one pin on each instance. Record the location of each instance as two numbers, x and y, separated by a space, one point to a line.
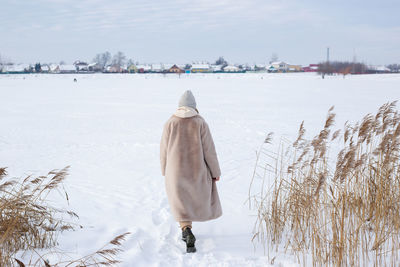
17 68
143 68
196 68
280 66
311 68
96 67
378 69
67 69
54 68
231 68
167 66
81 66
115 68
175 69
294 68
124 69
272 69
216 68
45 68
259 68
132 68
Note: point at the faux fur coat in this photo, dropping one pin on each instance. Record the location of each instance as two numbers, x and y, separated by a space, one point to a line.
189 162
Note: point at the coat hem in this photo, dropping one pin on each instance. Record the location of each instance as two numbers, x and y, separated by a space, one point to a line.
197 219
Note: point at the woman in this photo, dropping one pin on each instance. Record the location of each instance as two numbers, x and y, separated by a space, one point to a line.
190 166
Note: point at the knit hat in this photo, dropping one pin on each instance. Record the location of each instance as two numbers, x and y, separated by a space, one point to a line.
187 99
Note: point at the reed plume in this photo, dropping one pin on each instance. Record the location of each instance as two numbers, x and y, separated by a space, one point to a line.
343 212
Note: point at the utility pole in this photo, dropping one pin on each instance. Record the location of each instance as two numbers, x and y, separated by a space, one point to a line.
327 54
326 64
354 61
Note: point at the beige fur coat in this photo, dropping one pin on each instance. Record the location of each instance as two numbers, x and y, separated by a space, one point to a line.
189 162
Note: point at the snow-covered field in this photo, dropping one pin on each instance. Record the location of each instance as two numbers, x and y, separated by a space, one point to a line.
108 128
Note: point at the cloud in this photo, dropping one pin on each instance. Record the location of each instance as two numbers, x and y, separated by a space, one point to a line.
156 15
98 15
200 24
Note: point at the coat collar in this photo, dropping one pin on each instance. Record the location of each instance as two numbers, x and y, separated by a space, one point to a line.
185 112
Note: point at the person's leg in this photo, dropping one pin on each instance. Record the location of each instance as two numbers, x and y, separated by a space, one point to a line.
185 224
187 236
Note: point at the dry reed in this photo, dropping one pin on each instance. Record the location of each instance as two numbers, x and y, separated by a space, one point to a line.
345 215
29 223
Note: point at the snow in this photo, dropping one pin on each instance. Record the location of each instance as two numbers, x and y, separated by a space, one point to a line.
108 128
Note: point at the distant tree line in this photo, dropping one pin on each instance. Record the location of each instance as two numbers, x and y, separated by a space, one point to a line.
221 61
342 67
105 59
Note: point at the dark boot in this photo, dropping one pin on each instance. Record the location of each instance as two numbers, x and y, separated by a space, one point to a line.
189 239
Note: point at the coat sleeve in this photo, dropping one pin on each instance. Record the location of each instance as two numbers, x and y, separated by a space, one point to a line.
163 148
210 155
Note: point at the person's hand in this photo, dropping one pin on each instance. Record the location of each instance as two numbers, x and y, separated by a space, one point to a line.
216 178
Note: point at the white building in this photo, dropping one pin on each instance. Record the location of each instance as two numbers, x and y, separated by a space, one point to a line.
95 67
54 68
67 69
45 68
16 68
216 68
81 66
231 68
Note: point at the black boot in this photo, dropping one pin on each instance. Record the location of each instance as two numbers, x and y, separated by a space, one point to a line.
189 239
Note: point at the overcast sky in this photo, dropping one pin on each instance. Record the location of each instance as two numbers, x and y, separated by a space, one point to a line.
179 31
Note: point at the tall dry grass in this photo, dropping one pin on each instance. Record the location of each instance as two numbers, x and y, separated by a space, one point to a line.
28 223
340 211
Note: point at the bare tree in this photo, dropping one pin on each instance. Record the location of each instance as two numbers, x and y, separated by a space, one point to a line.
341 67
103 59
274 58
130 62
119 59
5 61
221 61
